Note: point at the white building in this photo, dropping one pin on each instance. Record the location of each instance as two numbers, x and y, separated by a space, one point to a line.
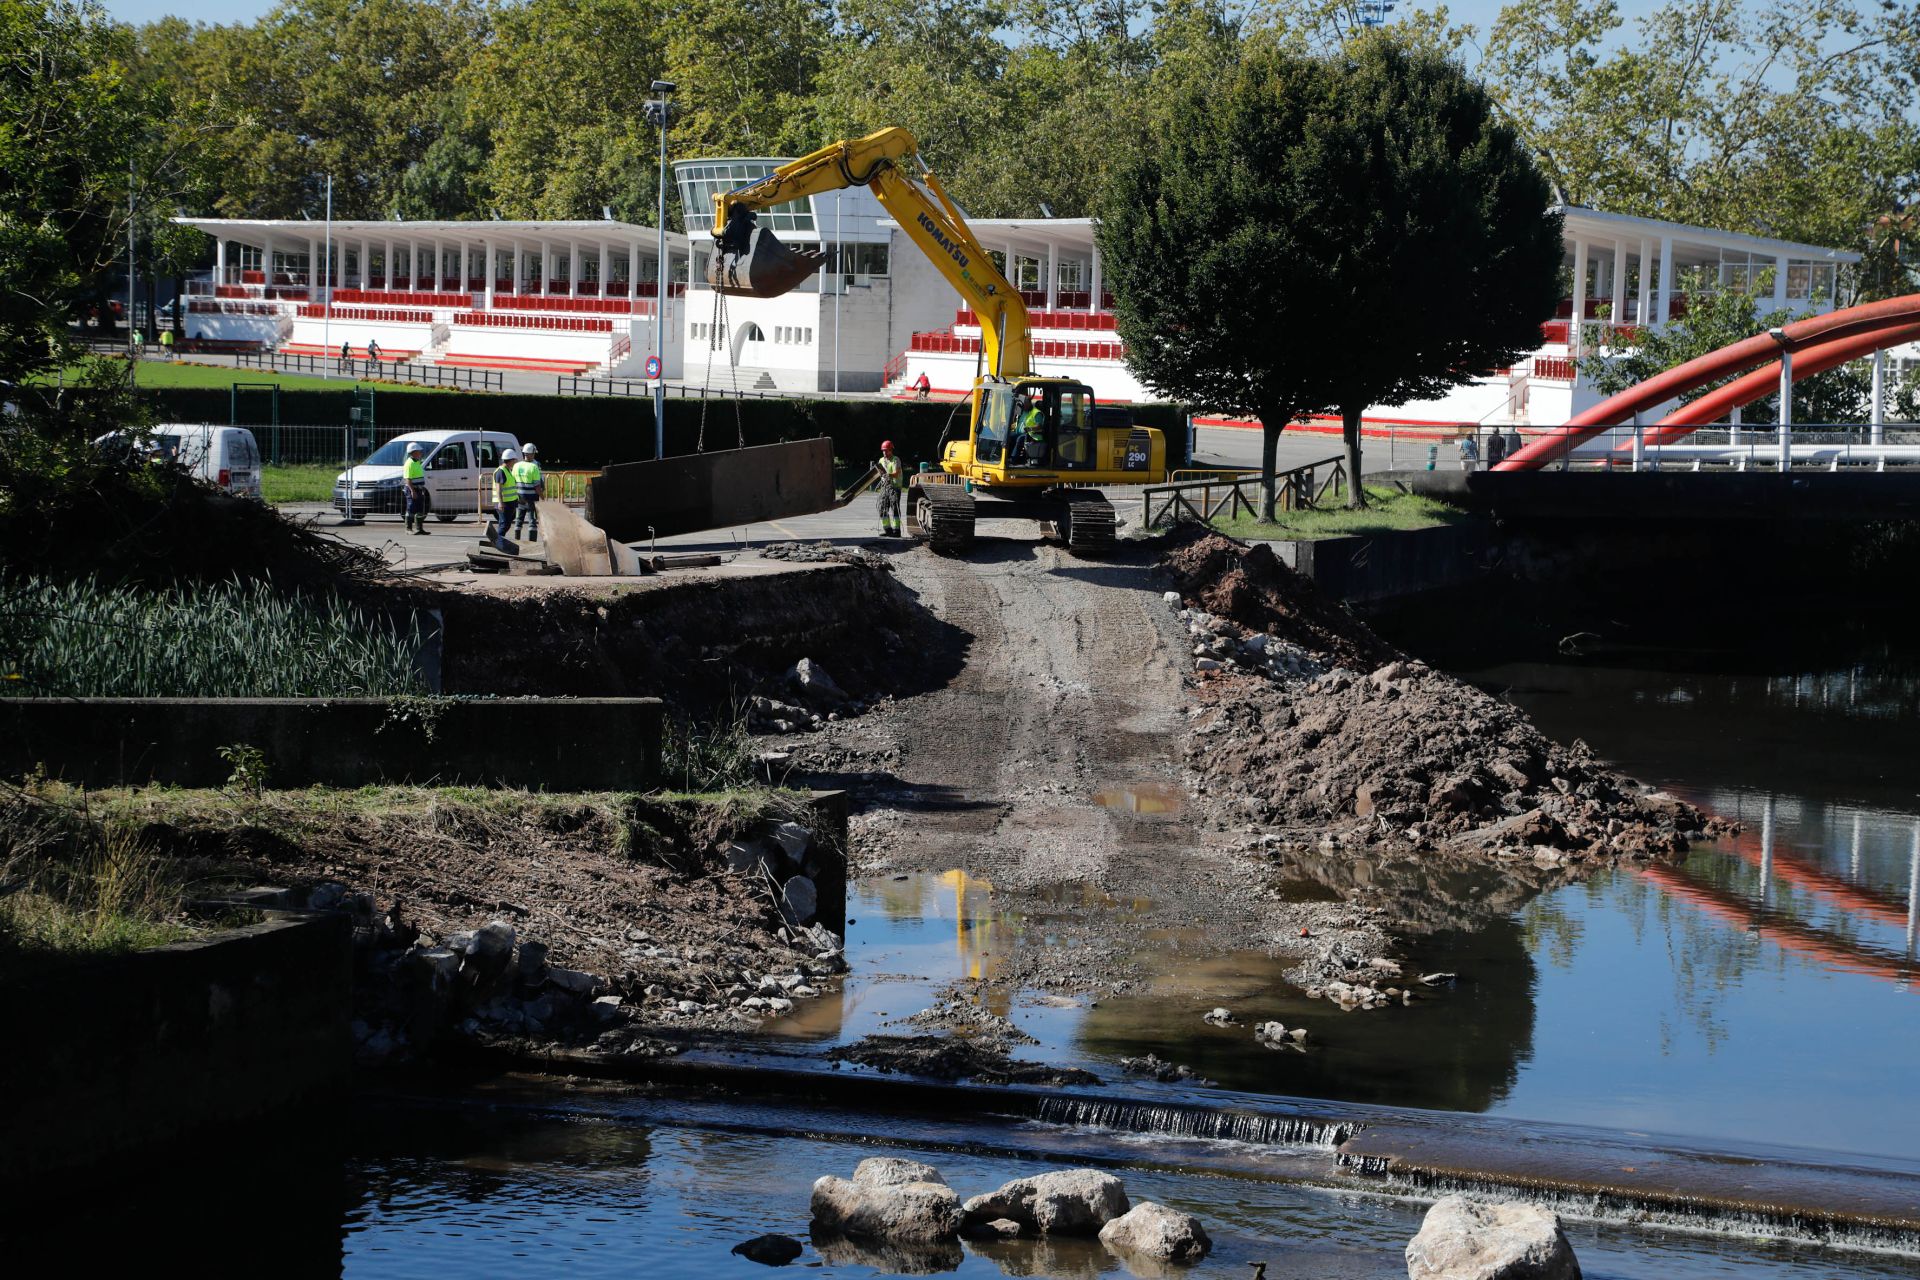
551 297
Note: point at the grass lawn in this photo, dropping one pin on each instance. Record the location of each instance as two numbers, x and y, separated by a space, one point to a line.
1387 510
181 373
298 482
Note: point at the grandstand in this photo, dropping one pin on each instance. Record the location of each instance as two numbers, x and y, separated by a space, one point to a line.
547 297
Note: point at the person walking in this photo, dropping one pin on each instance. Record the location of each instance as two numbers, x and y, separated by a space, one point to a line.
893 479
528 486
1469 452
506 495
166 343
419 501
1496 449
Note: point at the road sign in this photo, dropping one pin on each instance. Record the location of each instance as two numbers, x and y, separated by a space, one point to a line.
653 368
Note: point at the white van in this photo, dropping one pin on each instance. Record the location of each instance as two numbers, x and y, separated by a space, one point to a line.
224 456
458 463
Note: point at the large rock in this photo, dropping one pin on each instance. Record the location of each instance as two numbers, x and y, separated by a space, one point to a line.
891 1171
794 841
1463 1239
799 900
814 685
1070 1202
905 1212
1157 1232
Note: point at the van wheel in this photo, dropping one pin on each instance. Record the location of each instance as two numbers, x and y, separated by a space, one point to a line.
443 518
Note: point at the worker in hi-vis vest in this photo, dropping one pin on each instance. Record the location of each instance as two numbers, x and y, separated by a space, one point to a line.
527 482
893 479
419 503
506 497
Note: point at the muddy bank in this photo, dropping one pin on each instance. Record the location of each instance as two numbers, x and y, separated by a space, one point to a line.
587 919
1313 731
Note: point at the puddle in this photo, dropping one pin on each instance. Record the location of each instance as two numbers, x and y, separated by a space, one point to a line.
1157 798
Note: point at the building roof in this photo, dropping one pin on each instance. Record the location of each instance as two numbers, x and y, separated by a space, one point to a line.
1597 224
497 231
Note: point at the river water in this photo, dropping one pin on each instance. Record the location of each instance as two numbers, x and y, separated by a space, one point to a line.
1759 992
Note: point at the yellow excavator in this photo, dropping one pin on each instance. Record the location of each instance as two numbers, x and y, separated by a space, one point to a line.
1036 447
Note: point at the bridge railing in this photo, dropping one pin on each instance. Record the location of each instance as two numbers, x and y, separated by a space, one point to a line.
1745 447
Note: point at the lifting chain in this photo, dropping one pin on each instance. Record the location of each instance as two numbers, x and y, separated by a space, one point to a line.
716 335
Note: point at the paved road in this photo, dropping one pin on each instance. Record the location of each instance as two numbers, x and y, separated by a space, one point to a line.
447 544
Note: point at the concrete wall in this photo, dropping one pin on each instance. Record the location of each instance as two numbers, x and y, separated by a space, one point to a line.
574 744
1385 567
134 1053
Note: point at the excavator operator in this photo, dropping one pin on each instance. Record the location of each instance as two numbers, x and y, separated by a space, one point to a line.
1031 432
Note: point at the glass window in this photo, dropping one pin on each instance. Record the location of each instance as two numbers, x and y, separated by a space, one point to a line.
485 453
393 452
1799 280
1074 434
996 411
699 183
452 457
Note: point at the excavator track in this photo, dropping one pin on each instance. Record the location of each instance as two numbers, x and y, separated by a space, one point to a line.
1091 524
944 514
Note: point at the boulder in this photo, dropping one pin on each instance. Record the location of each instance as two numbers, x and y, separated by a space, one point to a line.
1463 1239
486 953
813 684
750 857
1067 1202
772 1251
794 841
1157 1232
575 982
798 900
530 965
904 1212
891 1171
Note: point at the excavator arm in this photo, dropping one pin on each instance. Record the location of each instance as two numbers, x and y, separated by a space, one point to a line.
748 260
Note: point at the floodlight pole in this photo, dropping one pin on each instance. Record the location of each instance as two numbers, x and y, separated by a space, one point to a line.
326 308
660 108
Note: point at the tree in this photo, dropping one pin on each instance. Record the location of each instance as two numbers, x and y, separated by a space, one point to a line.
1328 233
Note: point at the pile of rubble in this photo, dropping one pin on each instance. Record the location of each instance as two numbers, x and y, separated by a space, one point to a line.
1311 726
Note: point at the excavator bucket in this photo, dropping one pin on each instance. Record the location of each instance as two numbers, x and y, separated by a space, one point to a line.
749 262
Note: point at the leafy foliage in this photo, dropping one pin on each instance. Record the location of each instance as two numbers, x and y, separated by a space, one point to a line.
1327 233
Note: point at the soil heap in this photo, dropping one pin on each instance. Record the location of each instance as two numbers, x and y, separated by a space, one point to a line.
1313 727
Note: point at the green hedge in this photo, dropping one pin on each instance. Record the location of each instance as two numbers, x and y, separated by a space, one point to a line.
585 432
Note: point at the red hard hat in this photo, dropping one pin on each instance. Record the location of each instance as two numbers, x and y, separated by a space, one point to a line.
885 445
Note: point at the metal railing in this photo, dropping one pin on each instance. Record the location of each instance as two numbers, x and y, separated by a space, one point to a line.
1240 493
1746 447
575 385
425 375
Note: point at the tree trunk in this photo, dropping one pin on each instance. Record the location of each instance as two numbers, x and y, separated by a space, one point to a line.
1350 433
1269 451
179 309
151 287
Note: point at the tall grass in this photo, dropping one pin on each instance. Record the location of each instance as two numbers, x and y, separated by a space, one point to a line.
223 640
70 887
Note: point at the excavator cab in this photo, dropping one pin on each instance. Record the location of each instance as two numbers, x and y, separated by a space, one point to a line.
749 262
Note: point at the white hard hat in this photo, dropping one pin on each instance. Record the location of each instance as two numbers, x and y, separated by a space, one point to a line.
529 448
416 447
508 454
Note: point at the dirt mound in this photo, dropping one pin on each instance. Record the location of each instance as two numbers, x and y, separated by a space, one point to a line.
1251 588
1335 739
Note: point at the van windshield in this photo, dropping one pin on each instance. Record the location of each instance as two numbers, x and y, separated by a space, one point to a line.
394 452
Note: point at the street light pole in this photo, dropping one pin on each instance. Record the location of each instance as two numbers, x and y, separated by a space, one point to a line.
326 307
659 110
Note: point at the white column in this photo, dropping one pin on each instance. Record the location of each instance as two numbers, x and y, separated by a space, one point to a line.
1098 284
1733 426
1780 283
466 267
606 264
1877 415
573 269
1786 409
220 261
1644 308
1053 275
487 272
519 264
1576 326
1618 312
1665 308
313 265
546 260
386 268
266 259
633 279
